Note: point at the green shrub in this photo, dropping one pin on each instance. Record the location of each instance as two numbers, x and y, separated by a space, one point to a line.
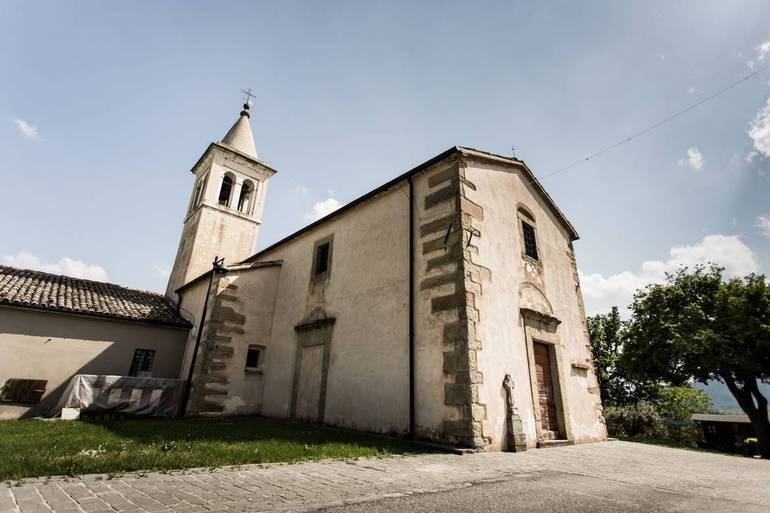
643 420
682 432
635 420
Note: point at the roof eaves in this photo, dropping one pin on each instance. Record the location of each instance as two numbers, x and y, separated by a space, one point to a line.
181 323
441 156
348 206
241 266
532 180
226 148
31 274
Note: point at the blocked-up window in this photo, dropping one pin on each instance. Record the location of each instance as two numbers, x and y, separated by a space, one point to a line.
254 357
141 365
530 243
27 391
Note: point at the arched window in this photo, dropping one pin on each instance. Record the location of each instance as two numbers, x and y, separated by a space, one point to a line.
244 201
198 196
527 223
226 190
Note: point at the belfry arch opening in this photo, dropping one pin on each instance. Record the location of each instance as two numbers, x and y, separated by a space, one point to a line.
246 197
225 191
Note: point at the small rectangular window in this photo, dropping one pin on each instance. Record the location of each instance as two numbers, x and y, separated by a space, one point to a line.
530 243
254 357
141 365
321 259
27 391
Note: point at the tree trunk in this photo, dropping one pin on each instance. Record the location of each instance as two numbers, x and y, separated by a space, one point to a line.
760 421
761 426
757 413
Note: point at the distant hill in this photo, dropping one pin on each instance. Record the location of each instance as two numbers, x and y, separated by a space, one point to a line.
722 398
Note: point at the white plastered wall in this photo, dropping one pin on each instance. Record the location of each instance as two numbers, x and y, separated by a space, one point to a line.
367 293
498 190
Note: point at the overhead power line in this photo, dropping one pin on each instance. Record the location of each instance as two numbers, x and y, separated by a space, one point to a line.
659 123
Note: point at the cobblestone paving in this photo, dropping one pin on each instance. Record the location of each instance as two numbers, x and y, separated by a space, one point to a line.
314 485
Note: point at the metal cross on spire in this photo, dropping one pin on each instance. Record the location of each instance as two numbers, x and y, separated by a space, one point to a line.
249 95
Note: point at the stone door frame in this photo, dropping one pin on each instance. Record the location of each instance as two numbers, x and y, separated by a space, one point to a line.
542 328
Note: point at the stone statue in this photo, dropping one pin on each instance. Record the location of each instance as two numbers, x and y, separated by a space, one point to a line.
517 442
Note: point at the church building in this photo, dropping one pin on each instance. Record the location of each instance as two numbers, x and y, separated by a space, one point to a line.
444 304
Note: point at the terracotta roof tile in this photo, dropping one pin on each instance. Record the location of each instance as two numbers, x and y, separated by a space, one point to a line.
45 291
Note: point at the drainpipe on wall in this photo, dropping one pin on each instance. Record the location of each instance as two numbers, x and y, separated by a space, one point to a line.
411 309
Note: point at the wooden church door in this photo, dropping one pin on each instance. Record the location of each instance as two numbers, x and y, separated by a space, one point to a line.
545 391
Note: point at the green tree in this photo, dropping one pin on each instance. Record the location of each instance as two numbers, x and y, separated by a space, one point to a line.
607 333
679 403
697 326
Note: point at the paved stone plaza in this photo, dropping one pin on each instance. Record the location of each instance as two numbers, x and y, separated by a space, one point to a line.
638 477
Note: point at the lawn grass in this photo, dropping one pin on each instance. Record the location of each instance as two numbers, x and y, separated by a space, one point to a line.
30 448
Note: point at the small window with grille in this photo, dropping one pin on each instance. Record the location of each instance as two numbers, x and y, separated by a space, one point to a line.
25 391
530 243
141 365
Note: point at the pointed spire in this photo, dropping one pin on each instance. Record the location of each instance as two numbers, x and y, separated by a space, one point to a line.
240 137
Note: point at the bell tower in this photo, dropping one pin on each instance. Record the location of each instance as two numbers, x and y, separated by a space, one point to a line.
225 209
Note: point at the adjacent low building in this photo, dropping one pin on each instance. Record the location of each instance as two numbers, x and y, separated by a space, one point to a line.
53 327
725 432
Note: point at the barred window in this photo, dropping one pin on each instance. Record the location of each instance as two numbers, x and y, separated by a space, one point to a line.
27 391
141 365
530 243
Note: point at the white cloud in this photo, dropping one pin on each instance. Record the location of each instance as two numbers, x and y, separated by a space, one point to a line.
694 159
65 265
322 209
763 50
27 129
691 90
750 156
750 64
763 223
162 270
760 130
602 292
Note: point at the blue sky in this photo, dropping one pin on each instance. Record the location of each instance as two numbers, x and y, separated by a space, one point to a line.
104 107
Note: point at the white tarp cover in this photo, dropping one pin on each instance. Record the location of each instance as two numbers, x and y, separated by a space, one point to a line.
155 397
